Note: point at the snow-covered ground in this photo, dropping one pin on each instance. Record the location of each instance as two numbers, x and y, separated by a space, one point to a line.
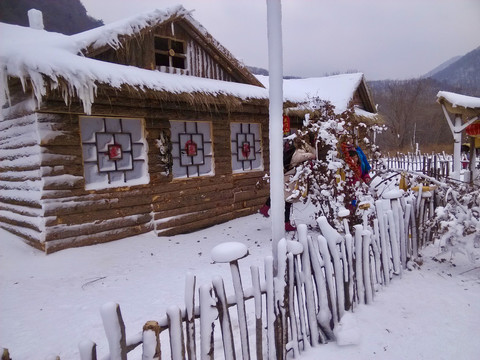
48 304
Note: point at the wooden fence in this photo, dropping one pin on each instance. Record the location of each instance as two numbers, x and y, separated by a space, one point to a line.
318 279
436 165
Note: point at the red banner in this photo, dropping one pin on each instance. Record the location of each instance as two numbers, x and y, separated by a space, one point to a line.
286 125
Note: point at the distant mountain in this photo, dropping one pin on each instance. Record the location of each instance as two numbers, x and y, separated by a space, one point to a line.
441 67
63 16
463 73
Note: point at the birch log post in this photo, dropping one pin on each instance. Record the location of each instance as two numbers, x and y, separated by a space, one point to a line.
309 288
190 284
231 252
224 317
114 330
257 296
208 314
151 341
177 344
87 350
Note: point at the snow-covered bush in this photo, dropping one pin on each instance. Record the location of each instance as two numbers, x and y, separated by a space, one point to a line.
457 220
332 183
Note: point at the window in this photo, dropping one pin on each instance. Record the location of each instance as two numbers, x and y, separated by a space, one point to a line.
169 53
192 150
114 152
246 147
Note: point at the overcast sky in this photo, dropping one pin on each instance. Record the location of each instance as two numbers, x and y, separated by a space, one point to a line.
385 39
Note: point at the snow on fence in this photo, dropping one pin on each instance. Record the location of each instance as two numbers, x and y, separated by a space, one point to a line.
319 278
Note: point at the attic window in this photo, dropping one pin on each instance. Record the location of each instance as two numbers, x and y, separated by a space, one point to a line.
169 53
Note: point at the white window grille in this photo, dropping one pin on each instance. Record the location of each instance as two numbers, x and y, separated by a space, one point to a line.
246 144
114 152
192 148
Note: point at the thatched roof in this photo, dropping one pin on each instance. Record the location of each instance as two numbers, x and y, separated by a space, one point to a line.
465 106
342 91
45 61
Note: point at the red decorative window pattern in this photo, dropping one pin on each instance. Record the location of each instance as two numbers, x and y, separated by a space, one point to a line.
246 147
192 152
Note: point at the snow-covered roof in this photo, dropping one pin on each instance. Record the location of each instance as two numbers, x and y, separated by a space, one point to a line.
457 100
339 90
44 59
467 106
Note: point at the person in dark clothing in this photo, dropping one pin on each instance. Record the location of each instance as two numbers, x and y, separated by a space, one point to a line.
293 155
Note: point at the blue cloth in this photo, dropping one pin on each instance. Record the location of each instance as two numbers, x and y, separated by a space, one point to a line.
363 161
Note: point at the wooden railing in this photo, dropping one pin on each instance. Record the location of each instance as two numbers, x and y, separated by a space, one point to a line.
287 310
436 165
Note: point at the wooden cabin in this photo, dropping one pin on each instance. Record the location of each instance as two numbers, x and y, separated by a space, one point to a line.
146 124
342 91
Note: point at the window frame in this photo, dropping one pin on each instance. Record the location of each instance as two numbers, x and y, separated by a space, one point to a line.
113 169
235 147
170 52
192 170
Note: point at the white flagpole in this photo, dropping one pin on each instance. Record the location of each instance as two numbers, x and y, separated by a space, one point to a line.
275 68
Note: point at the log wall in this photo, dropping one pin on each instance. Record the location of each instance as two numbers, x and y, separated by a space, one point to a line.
65 215
20 172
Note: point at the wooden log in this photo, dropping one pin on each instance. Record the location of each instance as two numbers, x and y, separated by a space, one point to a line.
114 330
177 343
207 318
257 295
300 305
394 243
270 308
97 217
367 280
324 314
6 354
329 277
307 260
190 316
358 264
102 237
87 350
151 341
291 313
242 315
224 318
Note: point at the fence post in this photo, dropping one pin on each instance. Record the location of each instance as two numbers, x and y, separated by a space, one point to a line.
358 263
309 289
151 341
208 314
190 315
5 354
231 252
176 333
87 350
257 295
224 317
114 330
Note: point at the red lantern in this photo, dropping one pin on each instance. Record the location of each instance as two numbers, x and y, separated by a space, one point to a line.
473 130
